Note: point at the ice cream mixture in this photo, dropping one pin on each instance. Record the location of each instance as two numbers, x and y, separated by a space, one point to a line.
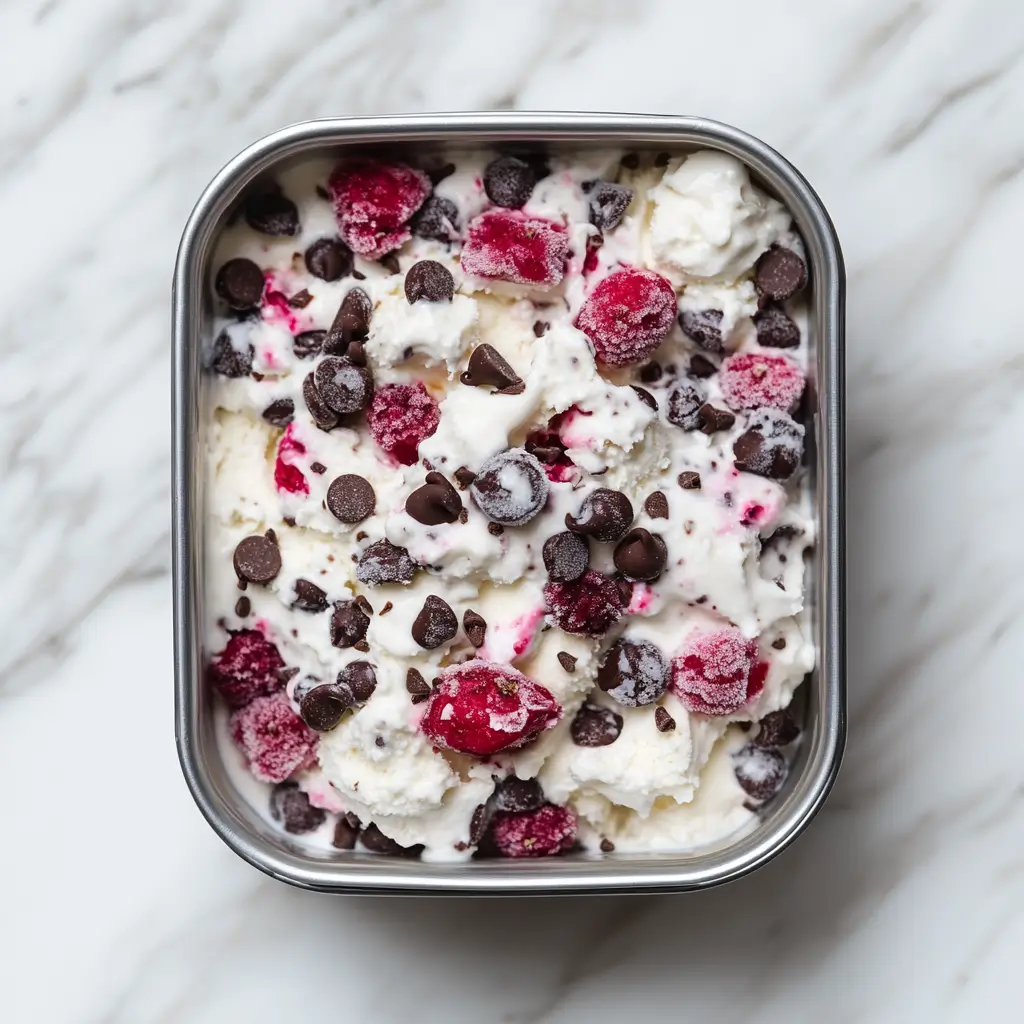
506 509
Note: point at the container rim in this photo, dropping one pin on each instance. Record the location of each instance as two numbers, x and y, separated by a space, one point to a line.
654 873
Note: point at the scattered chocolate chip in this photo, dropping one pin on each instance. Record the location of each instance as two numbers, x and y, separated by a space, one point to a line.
321 707
713 419
516 795
631 161
464 516
474 625
771 446
434 503
329 259
487 367
689 481
656 505
779 643
633 673
300 300
229 361
437 218
608 203
390 263
776 729
438 174
290 806
240 284
375 841
322 192
351 498
651 373
242 607
495 529
509 182
646 397
435 624
566 557
257 559
464 477
363 604
429 280
779 274
362 645
776 329
317 467
701 367
344 387
323 416
511 487
478 824
684 403
348 624
351 322
416 684
359 679
595 726
663 721
604 515
309 597
567 661
607 846
704 326
358 275
759 772
280 412
662 159
308 344
272 213
384 562
345 835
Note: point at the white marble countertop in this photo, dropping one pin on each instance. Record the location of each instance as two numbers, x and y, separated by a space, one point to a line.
903 902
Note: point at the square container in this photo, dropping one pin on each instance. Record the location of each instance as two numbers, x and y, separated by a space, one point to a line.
817 763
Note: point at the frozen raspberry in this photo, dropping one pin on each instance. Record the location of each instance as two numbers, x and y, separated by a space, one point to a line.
372 202
628 315
480 707
717 674
540 833
589 606
287 476
248 667
508 246
758 380
401 416
274 740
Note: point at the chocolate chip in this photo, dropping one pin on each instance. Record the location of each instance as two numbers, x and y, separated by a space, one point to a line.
656 505
317 467
321 707
390 263
434 503
495 529
567 661
511 487
308 344
257 559
662 159
345 835
290 806
759 772
351 498
779 274
595 726
566 557
474 625
309 597
240 284
324 417
272 213
437 218
703 326
779 643
604 515
329 259
651 373
478 824
645 396
540 328
242 607
631 161
486 367
300 300
416 684
684 402
229 361
640 555
633 673
435 624
464 477
280 412
771 446
608 203
429 280
713 419
375 841
689 481
517 795
776 329
348 624
663 721
384 562
607 846
344 387
509 182
777 729
351 322
359 679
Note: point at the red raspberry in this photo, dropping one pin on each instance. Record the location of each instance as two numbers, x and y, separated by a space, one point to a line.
274 740
480 707
541 833
507 246
589 606
248 667
628 315
401 416
288 477
716 674
372 202
756 380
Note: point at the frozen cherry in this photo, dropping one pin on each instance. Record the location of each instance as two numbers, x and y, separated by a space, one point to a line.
401 416
274 740
507 246
715 673
589 606
540 833
759 380
248 667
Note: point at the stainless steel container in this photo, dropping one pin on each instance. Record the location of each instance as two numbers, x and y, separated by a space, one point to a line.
815 768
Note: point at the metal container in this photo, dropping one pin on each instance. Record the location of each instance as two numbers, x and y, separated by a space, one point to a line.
817 764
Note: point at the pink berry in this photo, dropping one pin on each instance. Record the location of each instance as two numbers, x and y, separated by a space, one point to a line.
287 476
716 674
372 202
504 245
541 833
628 315
588 606
480 707
248 667
274 740
758 380
401 416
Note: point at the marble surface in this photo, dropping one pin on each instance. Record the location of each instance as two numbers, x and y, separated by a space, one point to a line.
904 901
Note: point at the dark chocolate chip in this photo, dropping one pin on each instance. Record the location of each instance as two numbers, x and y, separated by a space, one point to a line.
645 396
429 280
608 203
474 625
777 729
607 846
779 274
434 503
317 467
495 529
704 326
300 300
240 284
416 684
631 161
684 402
464 477
689 481
272 213
229 361
540 328
776 329
759 772
323 416
509 182
511 487
390 263
351 322
290 806
359 679
437 218
487 367
375 841
651 373
701 366
662 159
242 607
351 498
257 559
595 726
663 721
779 643
309 597
308 344
345 834
348 624
713 419
633 673
656 505
604 515
478 824
640 555
329 259
344 387
280 412
321 707
771 446
516 795
567 661
566 556
435 624
384 562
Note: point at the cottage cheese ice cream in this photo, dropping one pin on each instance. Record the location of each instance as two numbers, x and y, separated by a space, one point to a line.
505 515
